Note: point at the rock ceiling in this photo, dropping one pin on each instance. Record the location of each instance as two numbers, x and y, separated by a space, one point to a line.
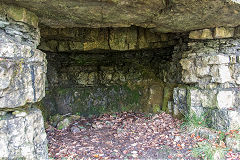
158 15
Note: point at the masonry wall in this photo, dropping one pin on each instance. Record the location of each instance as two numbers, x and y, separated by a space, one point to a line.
22 83
211 71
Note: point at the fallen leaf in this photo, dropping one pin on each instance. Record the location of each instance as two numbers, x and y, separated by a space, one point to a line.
192 135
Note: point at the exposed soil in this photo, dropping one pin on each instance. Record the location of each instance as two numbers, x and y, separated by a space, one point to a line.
122 136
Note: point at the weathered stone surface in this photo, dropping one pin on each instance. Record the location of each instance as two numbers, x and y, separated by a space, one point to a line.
23 70
18 14
155 99
93 83
223 32
63 124
117 39
225 99
201 34
159 15
23 137
180 106
219 106
211 64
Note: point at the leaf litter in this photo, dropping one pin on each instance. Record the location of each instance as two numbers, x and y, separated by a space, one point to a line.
124 135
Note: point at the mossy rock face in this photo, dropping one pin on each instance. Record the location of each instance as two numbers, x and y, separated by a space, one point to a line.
19 14
97 100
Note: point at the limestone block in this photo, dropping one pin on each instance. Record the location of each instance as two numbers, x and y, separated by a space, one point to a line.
201 34
82 78
224 74
203 71
123 39
195 34
23 70
96 39
63 46
21 15
180 101
223 32
156 95
50 46
237 32
234 119
187 63
77 46
27 85
203 98
217 59
225 99
23 137
219 119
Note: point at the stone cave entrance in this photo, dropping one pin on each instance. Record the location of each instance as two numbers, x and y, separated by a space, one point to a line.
117 75
107 70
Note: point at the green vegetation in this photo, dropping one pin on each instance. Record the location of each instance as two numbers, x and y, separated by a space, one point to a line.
208 151
156 109
192 120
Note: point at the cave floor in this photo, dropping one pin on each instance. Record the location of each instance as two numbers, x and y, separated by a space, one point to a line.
122 136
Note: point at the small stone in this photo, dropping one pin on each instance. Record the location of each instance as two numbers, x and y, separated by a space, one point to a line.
223 32
75 130
63 124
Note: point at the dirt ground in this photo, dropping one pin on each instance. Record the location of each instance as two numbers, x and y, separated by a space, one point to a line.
122 136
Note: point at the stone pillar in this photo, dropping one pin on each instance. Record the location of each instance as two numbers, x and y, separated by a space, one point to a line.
22 82
211 68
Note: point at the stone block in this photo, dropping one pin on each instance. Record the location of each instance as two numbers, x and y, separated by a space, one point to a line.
95 39
203 71
225 99
201 34
203 98
237 32
195 34
23 71
206 34
180 101
224 74
223 32
50 46
23 136
234 119
155 96
123 39
63 46
217 59
22 15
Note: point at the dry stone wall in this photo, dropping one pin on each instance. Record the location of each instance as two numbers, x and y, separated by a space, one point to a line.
22 82
211 70
93 71
92 83
115 39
